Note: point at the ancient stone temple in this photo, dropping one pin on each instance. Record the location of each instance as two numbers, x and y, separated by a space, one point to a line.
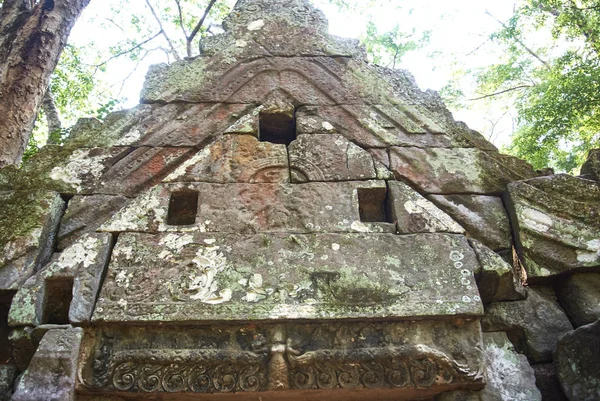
280 219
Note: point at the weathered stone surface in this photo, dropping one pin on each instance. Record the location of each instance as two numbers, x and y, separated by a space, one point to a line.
204 277
508 375
457 171
181 125
112 171
23 347
63 170
497 280
591 168
381 158
459 396
356 356
577 362
534 325
415 214
579 295
85 214
377 125
547 382
329 158
250 208
235 158
52 371
141 169
8 374
303 80
281 28
484 217
557 223
28 225
76 272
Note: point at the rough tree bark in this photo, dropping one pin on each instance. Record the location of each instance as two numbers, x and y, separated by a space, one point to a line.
52 118
32 37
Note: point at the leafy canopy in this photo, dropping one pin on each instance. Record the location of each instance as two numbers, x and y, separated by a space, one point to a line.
548 78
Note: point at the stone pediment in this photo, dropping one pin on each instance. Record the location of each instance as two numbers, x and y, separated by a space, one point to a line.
281 219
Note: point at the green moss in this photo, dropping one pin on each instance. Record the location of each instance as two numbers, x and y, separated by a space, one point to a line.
22 212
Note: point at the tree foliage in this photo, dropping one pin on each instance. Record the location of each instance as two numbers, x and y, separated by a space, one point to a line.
549 74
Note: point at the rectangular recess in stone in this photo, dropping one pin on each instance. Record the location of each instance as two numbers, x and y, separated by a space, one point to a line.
250 208
277 128
183 207
373 205
57 300
207 277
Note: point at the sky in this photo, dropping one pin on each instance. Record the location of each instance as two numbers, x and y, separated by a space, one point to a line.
458 29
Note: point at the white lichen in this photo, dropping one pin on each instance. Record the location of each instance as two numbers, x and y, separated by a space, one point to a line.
327 126
84 252
535 220
210 263
199 158
256 25
360 227
129 138
79 165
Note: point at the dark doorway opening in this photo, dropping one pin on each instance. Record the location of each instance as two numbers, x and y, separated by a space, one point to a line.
183 207
278 128
57 300
373 205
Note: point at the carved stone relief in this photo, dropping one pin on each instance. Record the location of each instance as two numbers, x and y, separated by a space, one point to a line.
258 358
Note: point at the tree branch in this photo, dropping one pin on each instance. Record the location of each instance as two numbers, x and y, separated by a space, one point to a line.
181 18
519 41
175 54
501 92
190 38
52 118
129 50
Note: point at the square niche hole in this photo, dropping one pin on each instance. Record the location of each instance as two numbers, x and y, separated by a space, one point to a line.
278 128
183 207
373 205
57 300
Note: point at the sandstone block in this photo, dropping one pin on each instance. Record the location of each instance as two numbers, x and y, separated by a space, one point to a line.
65 290
577 362
250 208
557 223
235 158
457 171
85 214
415 214
484 217
8 374
28 225
508 374
329 158
579 295
534 325
193 277
53 369
497 280
341 360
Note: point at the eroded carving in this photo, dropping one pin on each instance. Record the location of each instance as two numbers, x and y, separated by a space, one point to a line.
281 357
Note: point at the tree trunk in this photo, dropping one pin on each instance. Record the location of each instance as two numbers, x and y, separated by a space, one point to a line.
32 37
52 118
